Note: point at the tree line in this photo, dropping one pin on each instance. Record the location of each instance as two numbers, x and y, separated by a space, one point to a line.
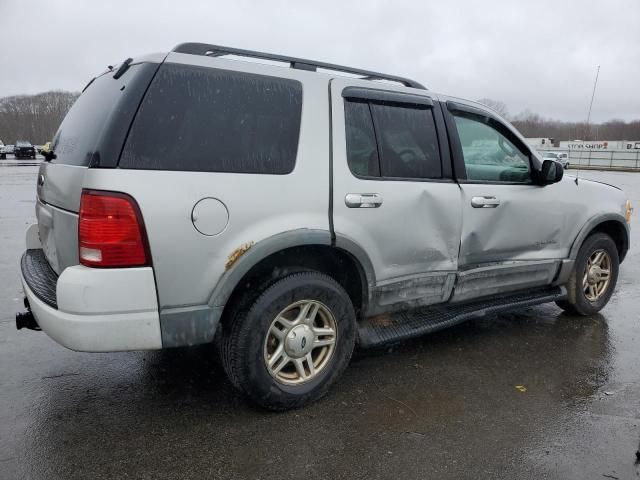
532 125
34 118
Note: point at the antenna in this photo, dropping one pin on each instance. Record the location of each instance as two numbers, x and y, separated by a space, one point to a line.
586 127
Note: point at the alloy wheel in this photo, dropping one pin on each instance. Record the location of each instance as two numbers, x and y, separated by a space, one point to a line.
597 275
300 342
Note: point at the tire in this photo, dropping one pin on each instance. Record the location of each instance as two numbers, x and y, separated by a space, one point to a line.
247 337
577 301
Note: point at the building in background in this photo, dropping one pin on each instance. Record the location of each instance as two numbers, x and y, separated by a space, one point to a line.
600 145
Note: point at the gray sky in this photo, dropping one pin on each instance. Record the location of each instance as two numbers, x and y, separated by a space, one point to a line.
539 55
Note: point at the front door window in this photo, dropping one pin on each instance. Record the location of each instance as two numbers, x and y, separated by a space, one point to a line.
489 156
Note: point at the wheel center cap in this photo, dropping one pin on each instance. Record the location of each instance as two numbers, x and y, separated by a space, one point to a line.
299 341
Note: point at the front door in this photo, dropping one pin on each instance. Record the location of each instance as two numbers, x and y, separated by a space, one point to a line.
511 229
393 195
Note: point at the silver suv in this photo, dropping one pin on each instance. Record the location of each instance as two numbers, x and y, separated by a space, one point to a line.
287 214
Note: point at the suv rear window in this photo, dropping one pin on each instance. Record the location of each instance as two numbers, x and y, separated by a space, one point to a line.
211 120
80 133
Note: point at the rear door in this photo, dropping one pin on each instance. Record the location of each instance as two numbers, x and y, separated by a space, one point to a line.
393 196
92 133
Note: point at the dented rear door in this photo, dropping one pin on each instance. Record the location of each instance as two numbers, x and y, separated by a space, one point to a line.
391 201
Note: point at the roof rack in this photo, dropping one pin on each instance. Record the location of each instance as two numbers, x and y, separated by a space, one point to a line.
297 63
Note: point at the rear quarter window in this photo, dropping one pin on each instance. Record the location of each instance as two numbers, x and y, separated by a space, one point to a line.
211 120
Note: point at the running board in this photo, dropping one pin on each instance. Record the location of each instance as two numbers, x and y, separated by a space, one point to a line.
399 326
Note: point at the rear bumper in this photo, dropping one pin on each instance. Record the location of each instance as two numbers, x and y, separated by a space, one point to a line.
93 310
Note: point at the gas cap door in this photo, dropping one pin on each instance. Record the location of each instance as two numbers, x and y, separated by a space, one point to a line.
210 216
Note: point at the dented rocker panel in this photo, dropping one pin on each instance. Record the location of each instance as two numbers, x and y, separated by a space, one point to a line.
406 293
504 277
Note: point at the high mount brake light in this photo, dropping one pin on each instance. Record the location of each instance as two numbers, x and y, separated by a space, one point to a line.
111 231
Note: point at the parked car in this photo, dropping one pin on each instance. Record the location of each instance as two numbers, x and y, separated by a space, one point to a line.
8 150
3 155
561 157
24 149
379 212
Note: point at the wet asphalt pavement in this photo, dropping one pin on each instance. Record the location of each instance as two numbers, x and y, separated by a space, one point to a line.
442 406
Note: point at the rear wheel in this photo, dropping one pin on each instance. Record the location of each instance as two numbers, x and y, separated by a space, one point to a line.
292 343
594 276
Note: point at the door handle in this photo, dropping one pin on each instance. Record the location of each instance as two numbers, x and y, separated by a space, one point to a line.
484 202
363 200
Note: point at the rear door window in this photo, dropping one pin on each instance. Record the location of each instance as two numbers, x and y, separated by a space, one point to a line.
391 140
407 141
204 119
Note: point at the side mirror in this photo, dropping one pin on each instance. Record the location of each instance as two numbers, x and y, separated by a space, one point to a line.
551 172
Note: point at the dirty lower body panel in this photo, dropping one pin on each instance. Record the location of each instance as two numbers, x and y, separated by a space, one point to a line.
383 329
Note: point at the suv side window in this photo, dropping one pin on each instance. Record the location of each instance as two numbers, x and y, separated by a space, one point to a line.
489 156
407 141
210 120
391 140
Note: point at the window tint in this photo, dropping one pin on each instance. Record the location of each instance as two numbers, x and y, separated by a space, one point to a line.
407 141
362 152
77 137
203 119
488 154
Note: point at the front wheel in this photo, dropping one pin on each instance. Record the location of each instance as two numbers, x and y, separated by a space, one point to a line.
292 343
594 276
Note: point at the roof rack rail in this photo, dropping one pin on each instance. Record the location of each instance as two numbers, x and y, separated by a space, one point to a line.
297 63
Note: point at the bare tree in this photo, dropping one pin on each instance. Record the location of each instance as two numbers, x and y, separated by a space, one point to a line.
33 117
533 125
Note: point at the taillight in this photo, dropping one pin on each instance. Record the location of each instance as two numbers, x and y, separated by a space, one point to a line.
111 232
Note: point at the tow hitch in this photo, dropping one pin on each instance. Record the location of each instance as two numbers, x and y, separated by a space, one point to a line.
26 319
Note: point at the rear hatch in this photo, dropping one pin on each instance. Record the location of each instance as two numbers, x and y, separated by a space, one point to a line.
90 136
